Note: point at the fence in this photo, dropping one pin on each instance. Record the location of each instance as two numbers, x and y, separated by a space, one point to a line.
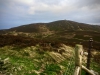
78 62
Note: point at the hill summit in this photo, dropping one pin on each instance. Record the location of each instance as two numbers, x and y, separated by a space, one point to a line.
61 25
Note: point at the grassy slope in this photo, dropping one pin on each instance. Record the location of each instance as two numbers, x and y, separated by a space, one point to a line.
30 61
33 61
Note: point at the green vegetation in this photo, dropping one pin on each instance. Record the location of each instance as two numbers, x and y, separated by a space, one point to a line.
30 61
39 49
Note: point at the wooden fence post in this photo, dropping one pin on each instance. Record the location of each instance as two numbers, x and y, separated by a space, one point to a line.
78 59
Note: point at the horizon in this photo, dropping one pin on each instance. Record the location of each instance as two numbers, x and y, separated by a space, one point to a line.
47 22
15 13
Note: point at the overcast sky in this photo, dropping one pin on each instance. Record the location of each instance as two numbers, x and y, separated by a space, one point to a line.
19 12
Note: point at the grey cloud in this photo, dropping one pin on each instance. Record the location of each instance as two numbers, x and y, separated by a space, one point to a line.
21 12
51 2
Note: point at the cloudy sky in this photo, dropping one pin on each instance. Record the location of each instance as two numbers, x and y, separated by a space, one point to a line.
19 12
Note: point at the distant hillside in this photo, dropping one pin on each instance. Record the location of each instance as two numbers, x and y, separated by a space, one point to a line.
66 25
61 25
62 31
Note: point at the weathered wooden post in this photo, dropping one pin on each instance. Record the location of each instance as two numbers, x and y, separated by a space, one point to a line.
89 54
78 59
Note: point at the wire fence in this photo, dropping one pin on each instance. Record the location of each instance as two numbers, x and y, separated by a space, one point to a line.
70 65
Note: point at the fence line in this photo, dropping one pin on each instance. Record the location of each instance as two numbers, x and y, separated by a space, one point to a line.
78 61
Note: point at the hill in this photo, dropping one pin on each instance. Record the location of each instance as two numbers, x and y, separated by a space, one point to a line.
61 25
66 25
62 31
46 48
